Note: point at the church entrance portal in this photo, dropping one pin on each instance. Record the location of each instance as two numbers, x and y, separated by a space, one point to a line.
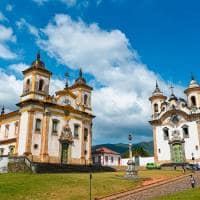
64 153
177 153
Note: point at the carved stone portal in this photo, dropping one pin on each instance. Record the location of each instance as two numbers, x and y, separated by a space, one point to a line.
66 134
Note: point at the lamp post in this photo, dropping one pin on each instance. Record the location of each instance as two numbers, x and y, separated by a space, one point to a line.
131 173
90 166
193 159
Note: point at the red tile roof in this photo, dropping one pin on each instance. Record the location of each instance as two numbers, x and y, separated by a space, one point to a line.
105 150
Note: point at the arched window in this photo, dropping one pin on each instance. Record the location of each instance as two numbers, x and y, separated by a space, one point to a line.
85 134
166 133
16 127
193 101
38 125
85 99
155 107
163 108
41 85
11 150
185 129
28 85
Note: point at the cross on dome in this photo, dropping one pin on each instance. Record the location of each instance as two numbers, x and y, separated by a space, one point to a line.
172 89
67 77
157 89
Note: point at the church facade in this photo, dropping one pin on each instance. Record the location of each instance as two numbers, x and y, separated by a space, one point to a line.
176 125
45 128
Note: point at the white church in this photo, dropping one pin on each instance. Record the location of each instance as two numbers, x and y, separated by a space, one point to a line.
45 128
176 125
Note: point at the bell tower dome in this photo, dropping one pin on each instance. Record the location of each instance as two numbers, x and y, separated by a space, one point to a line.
36 81
83 92
157 99
193 93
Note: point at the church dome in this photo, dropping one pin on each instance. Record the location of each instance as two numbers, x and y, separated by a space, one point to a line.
80 79
157 90
38 63
172 97
193 83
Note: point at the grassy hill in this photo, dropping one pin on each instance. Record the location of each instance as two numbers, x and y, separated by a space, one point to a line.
122 148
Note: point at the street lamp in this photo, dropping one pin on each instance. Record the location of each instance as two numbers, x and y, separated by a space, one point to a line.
90 167
193 159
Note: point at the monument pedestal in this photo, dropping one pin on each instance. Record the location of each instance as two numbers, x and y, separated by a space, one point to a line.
131 173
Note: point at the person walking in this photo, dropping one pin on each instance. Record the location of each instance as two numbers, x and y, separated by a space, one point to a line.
192 181
174 167
183 167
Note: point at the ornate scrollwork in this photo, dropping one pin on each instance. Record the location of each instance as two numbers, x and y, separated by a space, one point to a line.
66 134
176 137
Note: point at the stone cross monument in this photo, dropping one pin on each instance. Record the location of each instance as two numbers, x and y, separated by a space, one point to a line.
131 173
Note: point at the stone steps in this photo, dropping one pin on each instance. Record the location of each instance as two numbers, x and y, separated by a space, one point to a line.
17 165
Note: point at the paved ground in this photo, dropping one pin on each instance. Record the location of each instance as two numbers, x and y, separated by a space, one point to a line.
159 190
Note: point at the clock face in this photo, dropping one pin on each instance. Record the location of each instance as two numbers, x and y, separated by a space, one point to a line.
66 101
175 119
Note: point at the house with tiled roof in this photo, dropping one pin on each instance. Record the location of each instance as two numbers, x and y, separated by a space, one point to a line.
106 157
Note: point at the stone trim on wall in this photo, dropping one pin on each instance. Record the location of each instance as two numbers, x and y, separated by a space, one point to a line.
44 137
29 133
155 144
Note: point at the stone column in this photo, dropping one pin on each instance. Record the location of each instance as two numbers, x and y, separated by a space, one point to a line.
82 160
155 144
18 131
198 129
70 153
33 82
29 133
90 145
44 156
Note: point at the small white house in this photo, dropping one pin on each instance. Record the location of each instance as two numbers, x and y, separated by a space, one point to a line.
106 157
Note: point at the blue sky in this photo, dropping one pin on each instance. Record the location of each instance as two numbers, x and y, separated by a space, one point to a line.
122 45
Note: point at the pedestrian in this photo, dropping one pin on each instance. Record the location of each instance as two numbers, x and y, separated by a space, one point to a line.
183 169
192 180
174 167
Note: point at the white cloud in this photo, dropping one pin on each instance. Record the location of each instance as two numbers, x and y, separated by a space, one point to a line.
69 2
99 2
55 85
6 35
2 17
22 23
40 2
10 90
9 7
121 105
18 68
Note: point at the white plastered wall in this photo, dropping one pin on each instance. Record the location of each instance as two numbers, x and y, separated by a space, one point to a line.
190 143
23 133
36 136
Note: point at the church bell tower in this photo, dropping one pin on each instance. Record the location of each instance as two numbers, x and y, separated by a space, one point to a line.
36 81
157 99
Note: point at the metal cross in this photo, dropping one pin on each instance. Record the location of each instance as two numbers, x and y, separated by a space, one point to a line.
67 77
172 89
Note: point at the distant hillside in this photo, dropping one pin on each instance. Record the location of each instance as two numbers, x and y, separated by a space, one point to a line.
122 148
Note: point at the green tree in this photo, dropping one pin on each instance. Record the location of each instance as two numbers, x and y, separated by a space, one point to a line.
136 151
